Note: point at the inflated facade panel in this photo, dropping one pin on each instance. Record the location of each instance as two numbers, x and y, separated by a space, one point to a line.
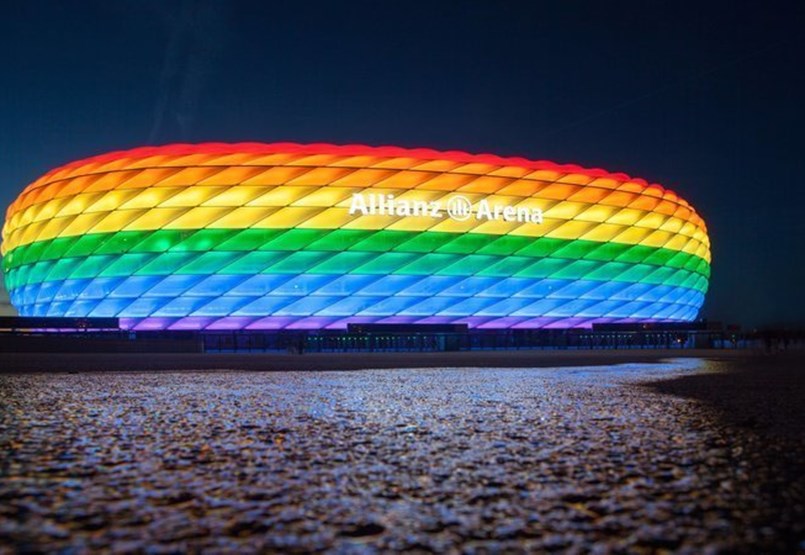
270 236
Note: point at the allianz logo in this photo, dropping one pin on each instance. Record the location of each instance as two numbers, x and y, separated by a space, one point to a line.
457 207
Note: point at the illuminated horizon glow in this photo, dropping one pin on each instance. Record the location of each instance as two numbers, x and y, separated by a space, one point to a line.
259 236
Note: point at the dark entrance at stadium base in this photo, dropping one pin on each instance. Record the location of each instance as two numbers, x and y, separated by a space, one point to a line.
458 337
19 334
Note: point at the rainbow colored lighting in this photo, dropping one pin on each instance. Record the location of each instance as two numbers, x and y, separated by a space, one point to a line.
265 236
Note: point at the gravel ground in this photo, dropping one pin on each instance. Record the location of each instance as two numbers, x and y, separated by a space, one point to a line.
634 458
274 361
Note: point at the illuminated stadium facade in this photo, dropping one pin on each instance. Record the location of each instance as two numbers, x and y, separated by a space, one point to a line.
288 236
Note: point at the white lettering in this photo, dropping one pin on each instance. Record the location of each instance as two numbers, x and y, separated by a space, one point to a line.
403 208
509 213
372 204
358 204
484 211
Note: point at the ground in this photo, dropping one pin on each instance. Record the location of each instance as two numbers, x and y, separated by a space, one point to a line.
689 455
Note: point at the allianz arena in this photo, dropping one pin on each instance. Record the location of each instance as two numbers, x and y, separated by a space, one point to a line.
290 236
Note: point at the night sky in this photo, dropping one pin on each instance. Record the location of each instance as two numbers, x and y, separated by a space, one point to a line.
707 99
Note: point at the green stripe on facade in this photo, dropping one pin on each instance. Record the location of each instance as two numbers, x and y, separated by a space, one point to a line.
161 241
208 251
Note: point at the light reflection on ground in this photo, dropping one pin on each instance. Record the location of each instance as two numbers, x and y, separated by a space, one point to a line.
429 459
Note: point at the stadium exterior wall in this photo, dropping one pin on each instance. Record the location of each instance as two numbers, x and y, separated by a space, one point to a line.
288 236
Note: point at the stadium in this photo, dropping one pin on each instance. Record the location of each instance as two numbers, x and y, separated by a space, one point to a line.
289 236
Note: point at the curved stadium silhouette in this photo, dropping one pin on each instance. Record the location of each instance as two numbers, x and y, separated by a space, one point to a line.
264 236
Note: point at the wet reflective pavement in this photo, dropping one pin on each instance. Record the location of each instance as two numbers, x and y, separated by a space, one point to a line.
596 459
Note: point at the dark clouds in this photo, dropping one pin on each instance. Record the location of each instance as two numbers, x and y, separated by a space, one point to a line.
197 34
